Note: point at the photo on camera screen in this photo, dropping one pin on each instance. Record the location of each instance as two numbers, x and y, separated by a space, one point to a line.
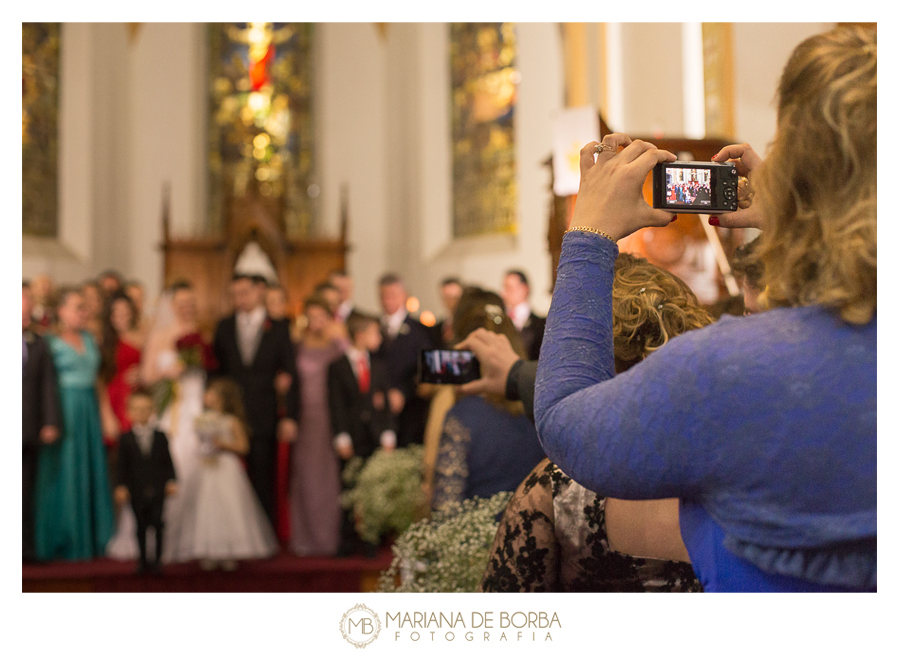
449 367
688 187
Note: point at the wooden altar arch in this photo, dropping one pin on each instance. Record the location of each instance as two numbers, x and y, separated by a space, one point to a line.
208 262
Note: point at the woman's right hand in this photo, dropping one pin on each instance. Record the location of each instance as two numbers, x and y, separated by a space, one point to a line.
745 160
610 196
496 356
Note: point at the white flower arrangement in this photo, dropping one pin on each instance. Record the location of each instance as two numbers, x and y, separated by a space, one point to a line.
387 495
208 425
448 552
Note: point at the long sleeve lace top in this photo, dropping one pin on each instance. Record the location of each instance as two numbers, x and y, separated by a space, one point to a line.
766 423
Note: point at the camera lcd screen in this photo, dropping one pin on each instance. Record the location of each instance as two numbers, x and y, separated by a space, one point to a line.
688 187
448 367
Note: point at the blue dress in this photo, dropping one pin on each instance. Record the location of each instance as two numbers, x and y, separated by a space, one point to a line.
484 450
764 426
73 505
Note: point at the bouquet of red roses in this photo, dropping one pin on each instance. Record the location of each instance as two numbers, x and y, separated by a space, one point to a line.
194 352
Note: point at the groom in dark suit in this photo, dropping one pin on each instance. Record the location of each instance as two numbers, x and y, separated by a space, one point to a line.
252 350
40 414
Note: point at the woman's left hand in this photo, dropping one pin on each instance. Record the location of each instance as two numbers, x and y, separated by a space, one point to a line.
610 197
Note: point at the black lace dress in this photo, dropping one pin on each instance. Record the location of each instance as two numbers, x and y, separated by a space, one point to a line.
552 538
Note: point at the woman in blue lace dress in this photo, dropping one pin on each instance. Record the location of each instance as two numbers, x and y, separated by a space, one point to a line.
764 426
488 444
73 503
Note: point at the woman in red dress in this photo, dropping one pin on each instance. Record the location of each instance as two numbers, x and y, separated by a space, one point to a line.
121 350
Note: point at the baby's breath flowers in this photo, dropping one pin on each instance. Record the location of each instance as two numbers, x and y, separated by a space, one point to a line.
448 552
386 494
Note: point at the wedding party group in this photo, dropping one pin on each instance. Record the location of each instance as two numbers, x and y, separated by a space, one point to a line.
137 423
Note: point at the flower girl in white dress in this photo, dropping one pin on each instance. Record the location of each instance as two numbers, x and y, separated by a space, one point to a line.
221 520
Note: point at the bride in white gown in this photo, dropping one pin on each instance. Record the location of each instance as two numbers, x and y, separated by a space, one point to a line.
176 318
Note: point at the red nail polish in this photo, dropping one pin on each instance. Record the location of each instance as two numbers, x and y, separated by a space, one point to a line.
674 217
713 221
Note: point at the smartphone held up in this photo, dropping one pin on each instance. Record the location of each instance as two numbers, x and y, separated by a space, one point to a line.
448 367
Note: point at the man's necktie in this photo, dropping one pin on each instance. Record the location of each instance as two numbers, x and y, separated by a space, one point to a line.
364 375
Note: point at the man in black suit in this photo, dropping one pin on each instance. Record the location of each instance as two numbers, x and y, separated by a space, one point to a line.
360 419
253 350
146 475
515 294
404 337
40 414
344 284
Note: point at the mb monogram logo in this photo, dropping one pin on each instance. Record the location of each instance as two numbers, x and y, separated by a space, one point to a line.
360 626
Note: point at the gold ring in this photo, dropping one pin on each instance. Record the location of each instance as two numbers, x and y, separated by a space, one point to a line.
603 147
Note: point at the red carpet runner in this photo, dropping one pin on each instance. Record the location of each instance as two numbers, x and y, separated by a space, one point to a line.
282 573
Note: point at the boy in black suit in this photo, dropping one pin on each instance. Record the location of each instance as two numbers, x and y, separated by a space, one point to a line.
146 474
360 419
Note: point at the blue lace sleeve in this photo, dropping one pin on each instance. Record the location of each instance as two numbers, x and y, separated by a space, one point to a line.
612 434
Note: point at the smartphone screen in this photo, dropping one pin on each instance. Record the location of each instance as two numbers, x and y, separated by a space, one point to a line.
448 367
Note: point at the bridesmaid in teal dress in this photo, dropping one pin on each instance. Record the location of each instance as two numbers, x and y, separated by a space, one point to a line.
73 504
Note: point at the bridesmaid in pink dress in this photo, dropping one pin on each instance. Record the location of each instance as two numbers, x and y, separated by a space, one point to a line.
315 485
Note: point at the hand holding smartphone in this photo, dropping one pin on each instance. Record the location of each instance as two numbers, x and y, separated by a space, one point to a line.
448 367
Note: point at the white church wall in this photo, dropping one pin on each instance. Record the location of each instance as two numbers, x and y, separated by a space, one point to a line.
761 51
652 80
166 115
352 143
111 139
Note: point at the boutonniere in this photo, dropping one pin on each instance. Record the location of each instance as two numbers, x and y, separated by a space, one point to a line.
404 329
267 324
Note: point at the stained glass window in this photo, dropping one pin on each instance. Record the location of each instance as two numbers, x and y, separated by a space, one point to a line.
261 120
40 106
484 79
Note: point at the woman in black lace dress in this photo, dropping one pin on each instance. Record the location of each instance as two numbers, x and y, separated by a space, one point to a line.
555 534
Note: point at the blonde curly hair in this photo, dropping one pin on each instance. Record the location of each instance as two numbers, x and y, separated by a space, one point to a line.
817 186
650 306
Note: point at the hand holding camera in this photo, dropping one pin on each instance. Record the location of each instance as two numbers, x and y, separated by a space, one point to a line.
745 160
610 197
